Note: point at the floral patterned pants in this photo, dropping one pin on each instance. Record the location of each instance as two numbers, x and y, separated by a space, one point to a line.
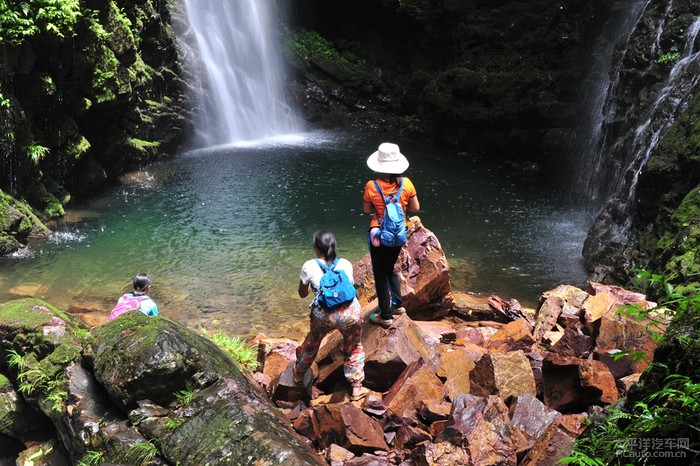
348 320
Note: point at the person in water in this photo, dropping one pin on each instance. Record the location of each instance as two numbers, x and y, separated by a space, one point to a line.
347 319
137 300
388 162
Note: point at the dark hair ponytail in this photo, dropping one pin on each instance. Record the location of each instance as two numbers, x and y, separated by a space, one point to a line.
324 241
141 282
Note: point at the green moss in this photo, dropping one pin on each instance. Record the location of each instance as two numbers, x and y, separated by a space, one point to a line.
76 150
53 207
17 218
105 82
680 246
31 313
5 383
305 48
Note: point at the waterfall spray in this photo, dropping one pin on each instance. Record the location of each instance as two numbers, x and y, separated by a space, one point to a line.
242 70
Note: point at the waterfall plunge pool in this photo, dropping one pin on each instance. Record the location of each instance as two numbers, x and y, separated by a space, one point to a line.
224 231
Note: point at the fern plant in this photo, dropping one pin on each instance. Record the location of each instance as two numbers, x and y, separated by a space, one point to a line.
91 458
243 354
142 453
184 397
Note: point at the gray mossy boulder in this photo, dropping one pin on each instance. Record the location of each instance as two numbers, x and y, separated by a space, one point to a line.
227 419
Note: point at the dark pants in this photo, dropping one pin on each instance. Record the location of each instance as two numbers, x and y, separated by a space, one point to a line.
386 279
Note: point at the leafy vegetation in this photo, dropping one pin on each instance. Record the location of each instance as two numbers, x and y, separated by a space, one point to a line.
37 152
91 458
22 19
185 396
243 354
668 57
142 453
173 424
36 379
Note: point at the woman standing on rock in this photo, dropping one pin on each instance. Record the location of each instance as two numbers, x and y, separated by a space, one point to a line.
388 162
346 318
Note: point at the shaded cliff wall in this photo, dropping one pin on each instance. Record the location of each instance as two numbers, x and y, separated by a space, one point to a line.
657 228
498 78
81 104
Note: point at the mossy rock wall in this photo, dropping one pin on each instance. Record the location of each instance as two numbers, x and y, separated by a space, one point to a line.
78 110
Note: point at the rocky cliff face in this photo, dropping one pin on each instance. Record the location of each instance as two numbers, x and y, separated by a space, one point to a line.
652 154
83 104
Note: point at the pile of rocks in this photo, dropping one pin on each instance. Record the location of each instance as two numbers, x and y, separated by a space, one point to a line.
483 382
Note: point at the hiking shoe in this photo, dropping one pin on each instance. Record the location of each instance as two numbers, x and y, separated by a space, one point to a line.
397 311
376 318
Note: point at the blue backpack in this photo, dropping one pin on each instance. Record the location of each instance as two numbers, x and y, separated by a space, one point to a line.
392 227
335 288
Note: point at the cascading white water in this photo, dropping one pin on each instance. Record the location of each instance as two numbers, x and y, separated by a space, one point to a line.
244 96
596 91
614 163
680 83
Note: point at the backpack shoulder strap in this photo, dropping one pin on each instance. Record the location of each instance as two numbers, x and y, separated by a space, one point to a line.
398 193
325 267
379 190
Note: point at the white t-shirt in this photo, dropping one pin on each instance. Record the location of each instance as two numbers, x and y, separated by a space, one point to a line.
312 272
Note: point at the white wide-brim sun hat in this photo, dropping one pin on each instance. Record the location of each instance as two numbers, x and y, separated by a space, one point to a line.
388 159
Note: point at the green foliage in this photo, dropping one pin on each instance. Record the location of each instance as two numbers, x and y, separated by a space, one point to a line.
672 409
96 27
36 379
303 47
602 441
15 360
173 424
244 355
4 102
185 397
142 453
37 152
91 458
668 57
22 19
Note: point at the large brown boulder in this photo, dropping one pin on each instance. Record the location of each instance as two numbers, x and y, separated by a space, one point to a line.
425 275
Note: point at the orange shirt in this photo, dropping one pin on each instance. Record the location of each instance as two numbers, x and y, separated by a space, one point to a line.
372 196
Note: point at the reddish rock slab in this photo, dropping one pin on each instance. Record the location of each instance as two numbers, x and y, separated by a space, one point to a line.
454 368
620 333
574 342
550 447
516 335
531 416
504 374
347 426
572 384
418 383
440 454
484 426
388 352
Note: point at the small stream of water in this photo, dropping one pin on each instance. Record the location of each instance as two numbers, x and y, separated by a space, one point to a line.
224 231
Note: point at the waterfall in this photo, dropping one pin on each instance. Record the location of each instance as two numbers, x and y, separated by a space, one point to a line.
636 115
619 156
242 70
680 83
596 93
